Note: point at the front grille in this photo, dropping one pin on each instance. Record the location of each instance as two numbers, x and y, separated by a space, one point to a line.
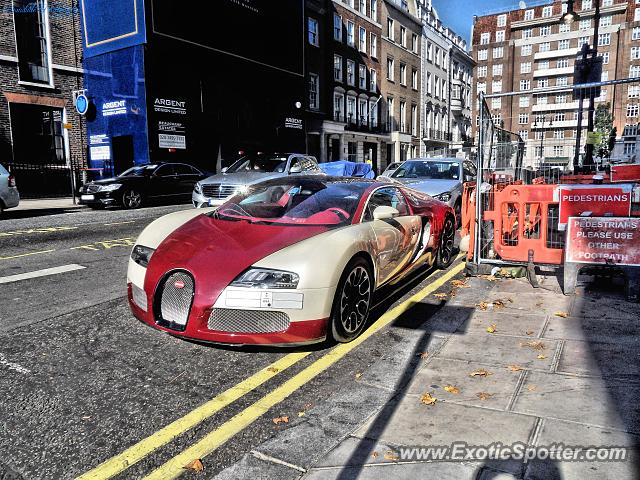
217 191
175 301
139 297
247 321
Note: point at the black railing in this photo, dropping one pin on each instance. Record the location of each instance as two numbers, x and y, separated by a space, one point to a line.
434 134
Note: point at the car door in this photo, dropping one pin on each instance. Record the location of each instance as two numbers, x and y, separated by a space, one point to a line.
396 239
186 178
163 182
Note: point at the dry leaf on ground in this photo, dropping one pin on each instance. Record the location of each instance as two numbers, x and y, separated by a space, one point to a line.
423 355
492 328
301 414
561 314
480 373
532 388
489 278
359 374
273 369
535 344
484 395
541 357
391 455
279 420
375 455
514 368
195 466
460 284
451 389
482 305
441 296
427 399
498 304
529 332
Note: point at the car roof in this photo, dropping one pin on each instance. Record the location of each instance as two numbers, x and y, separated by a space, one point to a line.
436 159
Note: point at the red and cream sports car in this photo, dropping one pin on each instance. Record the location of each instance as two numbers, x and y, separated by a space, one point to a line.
290 261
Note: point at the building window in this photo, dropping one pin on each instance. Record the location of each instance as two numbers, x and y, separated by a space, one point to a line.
604 39
583 41
390 27
563 63
351 109
403 116
545 47
526 50
525 67
635 53
524 134
390 68
562 81
414 43
558 134
363 6
496 102
525 85
632 110
482 54
351 72
362 39
547 11
362 77
482 71
502 20
430 52
374 10
313 31
374 46
562 98
337 27
523 118
403 36
351 41
497 70
585 24
587 5
564 27
558 150
498 52
390 114
564 44
500 36
545 31
430 84
373 112
634 91
606 21
634 71
485 38
635 33
496 86
523 102
481 87
542 100
414 120
337 68
414 79
605 58
403 74
527 33
32 34
373 81
362 111
529 14
543 83
629 148
338 107
559 117
314 84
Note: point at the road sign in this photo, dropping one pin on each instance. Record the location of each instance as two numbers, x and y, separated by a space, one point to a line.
82 104
603 240
589 200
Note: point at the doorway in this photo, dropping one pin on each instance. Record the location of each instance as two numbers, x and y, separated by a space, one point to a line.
122 150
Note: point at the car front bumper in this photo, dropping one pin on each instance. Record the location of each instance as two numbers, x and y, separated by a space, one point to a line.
200 201
100 198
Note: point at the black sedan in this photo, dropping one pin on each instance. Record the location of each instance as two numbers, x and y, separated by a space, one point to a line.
142 183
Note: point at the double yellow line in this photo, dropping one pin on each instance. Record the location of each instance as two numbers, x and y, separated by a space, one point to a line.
212 441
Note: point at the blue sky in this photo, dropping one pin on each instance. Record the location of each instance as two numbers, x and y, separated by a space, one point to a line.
458 14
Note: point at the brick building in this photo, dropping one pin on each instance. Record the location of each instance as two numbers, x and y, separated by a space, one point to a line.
530 50
40 67
401 47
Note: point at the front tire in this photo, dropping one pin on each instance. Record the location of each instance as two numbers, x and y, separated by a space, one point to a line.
445 249
352 301
131 199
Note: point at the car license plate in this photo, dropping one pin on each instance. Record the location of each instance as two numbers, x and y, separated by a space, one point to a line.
87 197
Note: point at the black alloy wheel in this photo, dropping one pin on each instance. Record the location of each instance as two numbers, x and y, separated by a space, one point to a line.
352 301
131 199
445 249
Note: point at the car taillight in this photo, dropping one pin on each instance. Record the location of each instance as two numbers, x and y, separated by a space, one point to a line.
12 181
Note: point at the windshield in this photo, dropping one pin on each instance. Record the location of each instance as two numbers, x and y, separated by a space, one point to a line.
139 171
428 169
261 163
303 202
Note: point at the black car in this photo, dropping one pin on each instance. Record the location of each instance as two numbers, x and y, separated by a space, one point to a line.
139 184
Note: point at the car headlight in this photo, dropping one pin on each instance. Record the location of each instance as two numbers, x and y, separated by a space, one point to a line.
444 197
198 188
109 188
265 278
141 255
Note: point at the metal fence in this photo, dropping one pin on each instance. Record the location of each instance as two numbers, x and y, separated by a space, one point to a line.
548 135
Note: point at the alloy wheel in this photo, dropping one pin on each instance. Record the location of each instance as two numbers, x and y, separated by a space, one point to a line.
132 199
446 244
355 299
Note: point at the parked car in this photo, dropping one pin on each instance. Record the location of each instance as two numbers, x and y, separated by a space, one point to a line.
390 169
141 183
291 260
345 168
9 196
251 169
441 178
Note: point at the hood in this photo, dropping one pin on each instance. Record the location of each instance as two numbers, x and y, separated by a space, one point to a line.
215 252
428 186
241 178
107 181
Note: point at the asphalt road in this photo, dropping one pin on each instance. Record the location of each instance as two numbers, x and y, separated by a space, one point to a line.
81 381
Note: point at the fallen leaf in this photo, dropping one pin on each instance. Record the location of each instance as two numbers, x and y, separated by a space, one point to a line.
391 455
489 278
423 355
441 296
482 305
532 388
514 368
375 455
194 466
480 373
301 414
529 332
273 369
541 357
359 374
536 345
492 328
427 399
561 314
498 303
279 420
484 395
460 284
452 389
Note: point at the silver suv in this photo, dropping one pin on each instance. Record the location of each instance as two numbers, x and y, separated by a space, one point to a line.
251 169
9 196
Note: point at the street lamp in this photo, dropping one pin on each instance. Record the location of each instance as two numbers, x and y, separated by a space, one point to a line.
570 15
535 126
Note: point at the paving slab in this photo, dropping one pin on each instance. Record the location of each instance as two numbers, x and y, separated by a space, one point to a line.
625 329
516 324
606 402
440 372
354 451
601 359
570 434
251 467
500 350
607 307
401 471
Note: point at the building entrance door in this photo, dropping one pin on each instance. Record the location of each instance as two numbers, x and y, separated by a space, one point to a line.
122 148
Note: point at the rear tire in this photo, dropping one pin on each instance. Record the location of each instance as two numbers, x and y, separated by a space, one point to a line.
352 301
131 199
444 258
457 208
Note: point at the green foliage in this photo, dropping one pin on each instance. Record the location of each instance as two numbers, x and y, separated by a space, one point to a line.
604 125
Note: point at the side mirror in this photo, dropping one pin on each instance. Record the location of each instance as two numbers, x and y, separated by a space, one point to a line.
224 170
295 169
385 213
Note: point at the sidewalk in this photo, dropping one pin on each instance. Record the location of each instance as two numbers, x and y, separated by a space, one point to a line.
527 365
46 204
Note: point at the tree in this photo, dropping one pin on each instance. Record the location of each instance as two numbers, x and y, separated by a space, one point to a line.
604 126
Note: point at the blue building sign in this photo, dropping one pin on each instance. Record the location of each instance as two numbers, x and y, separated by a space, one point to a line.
112 24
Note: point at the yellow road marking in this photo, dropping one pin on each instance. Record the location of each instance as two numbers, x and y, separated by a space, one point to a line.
175 467
36 230
119 223
107 244
27 254
140 450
